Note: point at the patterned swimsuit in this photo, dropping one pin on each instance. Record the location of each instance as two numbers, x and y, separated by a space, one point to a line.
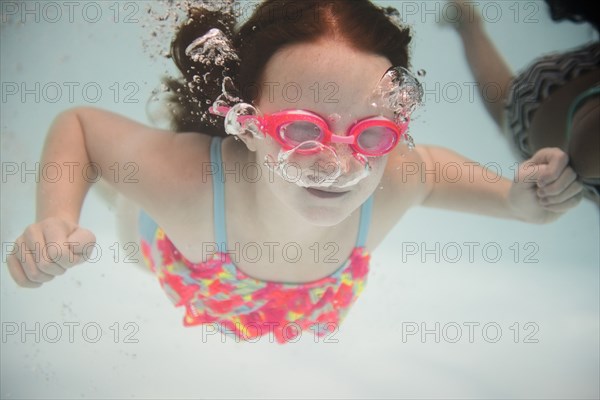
529 89
217 292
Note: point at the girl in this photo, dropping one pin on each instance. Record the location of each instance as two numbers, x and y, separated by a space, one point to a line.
316 179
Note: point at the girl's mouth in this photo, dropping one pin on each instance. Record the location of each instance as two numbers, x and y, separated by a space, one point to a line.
325 193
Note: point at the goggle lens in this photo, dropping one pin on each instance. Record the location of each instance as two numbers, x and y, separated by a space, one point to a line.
377 140
299 132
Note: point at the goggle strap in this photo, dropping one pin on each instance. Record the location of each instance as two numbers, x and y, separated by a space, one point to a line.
219 110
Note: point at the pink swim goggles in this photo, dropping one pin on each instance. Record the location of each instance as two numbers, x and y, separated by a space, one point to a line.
372 137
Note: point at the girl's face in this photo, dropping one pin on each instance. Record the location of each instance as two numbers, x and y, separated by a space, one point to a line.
335 82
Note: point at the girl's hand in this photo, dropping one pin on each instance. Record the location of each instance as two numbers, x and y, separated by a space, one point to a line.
545 187
47 249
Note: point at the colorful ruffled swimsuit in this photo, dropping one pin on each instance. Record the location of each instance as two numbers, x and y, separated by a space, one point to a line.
217 292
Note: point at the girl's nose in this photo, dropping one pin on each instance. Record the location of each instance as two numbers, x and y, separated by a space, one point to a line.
349 161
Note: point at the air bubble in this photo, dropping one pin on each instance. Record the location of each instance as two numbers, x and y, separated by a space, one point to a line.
421 72
214 45
399 91
408 141
234 125
230 91
223 6
314 164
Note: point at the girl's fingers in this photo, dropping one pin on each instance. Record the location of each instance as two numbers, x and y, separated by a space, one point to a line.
564 200
554 162
563 183
22 268
16 272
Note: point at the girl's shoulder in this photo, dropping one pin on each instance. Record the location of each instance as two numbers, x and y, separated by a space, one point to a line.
405 172
402 187
182 175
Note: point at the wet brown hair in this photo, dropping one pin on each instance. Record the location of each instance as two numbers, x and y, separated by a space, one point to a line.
575 10
273 25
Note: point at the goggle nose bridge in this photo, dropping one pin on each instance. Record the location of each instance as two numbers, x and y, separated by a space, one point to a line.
342 139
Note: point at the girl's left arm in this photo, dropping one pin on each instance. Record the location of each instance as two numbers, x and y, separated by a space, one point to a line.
543 188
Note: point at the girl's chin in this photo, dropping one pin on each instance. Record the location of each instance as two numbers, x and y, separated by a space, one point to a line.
324 214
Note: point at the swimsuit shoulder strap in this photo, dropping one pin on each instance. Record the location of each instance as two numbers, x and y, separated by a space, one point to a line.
218 192
365 221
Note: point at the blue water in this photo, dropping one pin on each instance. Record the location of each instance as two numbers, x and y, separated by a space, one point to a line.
529 293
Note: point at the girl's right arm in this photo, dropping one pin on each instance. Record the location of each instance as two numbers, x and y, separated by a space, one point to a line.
158 169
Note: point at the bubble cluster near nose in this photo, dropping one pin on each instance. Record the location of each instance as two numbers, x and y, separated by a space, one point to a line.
313 164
